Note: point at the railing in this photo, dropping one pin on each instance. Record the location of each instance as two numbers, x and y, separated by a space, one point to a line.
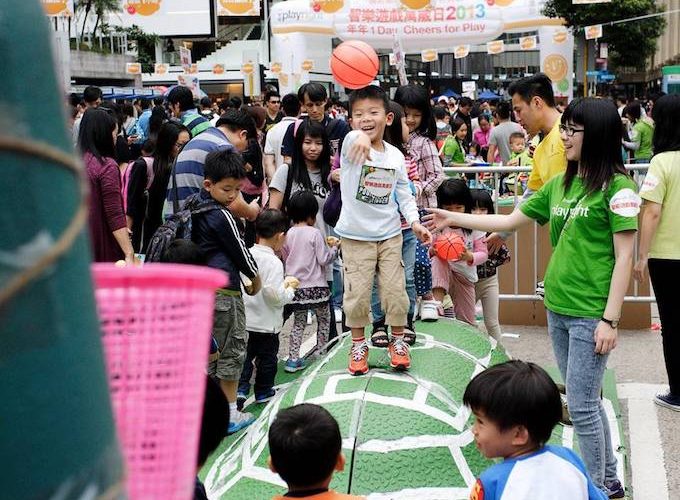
493 184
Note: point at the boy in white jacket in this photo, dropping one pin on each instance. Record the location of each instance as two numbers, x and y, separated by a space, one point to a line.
374 189
264 310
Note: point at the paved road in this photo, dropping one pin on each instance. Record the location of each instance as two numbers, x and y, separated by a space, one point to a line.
640 373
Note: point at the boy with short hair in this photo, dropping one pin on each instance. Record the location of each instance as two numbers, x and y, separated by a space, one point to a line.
264 310
305 449
519 157
516 406
216 231
374 191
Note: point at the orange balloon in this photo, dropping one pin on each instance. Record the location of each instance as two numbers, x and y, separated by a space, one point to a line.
354 64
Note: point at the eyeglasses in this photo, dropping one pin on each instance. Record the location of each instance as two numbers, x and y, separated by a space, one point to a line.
180 145
274 102
569 131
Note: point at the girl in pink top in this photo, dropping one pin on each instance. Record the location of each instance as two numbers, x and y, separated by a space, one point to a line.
481 135
306 254
459 277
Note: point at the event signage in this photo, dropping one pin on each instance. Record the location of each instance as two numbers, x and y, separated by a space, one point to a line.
191 82
461 51
238 7
58 8
160 69
593 32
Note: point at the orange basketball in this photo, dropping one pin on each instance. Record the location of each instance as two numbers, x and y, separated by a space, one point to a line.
354 64
449 246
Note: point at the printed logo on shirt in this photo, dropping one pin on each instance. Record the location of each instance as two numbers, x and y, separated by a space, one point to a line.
650 183
625 203
375 185
477 492
569 212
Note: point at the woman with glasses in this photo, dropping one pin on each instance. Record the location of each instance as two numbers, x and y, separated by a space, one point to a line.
148 182
591 210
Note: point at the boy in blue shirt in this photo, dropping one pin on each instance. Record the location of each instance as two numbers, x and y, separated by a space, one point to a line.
516 406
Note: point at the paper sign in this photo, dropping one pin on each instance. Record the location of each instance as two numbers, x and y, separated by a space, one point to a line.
527 43
399 60
429 55
191 82
218 69
58 8
133 68
160 69
238 7
593 32
185 58
461 51
495 47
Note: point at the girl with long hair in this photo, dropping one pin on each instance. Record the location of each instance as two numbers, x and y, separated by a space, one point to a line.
592 211
147 186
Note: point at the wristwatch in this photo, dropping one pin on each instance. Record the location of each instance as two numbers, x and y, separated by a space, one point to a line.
614 323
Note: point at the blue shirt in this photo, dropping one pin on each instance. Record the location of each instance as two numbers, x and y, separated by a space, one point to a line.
551 473
143 123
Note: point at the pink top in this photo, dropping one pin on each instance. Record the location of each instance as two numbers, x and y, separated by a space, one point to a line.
481 137
475 241
306 255
426 156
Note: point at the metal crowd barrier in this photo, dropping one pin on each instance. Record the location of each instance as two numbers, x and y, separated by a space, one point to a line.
488 177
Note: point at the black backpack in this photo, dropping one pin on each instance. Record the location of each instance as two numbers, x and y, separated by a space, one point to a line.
177 226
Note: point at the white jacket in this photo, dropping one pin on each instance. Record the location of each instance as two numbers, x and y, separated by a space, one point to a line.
373 194
264 310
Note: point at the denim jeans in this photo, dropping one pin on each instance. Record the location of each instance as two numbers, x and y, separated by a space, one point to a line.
337 288
408 255
263 349
583 371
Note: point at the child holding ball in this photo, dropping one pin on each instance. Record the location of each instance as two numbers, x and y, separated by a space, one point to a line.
458 277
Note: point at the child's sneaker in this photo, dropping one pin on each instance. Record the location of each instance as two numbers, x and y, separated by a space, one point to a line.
294 365
358 358
614 489
668 400
241 421
240 400
400 359
429 310
267 396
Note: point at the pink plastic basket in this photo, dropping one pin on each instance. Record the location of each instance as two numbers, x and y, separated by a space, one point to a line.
156 322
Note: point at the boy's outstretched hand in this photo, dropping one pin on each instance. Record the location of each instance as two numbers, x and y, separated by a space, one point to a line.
422 233
360 150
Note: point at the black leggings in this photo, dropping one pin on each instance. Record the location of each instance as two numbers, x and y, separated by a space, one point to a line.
665 274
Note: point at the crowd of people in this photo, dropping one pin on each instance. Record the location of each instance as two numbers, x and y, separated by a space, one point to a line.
330 210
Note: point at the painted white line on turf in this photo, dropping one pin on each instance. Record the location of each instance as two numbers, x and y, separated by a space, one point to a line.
423 494
416 442
646 451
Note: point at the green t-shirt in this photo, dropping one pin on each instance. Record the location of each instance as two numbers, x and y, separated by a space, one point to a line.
524 159
643 132
662 186
580 270
452 151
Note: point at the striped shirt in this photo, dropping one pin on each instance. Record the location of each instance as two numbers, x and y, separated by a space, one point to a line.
195 122
189 166
424 153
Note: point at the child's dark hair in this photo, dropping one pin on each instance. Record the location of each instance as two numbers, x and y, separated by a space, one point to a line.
271 222
182 251
149 147
224 164
304 443
417 97
237 120
482 199
369 92
517 393
454 192
517 135
394 134
302 206
440 112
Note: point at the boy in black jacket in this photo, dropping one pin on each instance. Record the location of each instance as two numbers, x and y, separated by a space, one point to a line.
217 233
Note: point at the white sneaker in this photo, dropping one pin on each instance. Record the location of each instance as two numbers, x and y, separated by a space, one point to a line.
429 310
338 314
239 420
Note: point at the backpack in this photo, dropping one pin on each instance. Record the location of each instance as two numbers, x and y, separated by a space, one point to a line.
176 227
125 180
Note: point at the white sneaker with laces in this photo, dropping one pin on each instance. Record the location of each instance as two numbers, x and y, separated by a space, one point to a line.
429 310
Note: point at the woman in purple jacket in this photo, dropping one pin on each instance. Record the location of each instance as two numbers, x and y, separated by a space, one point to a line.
108 229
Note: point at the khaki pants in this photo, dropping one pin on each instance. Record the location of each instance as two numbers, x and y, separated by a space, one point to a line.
486 290
362 260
